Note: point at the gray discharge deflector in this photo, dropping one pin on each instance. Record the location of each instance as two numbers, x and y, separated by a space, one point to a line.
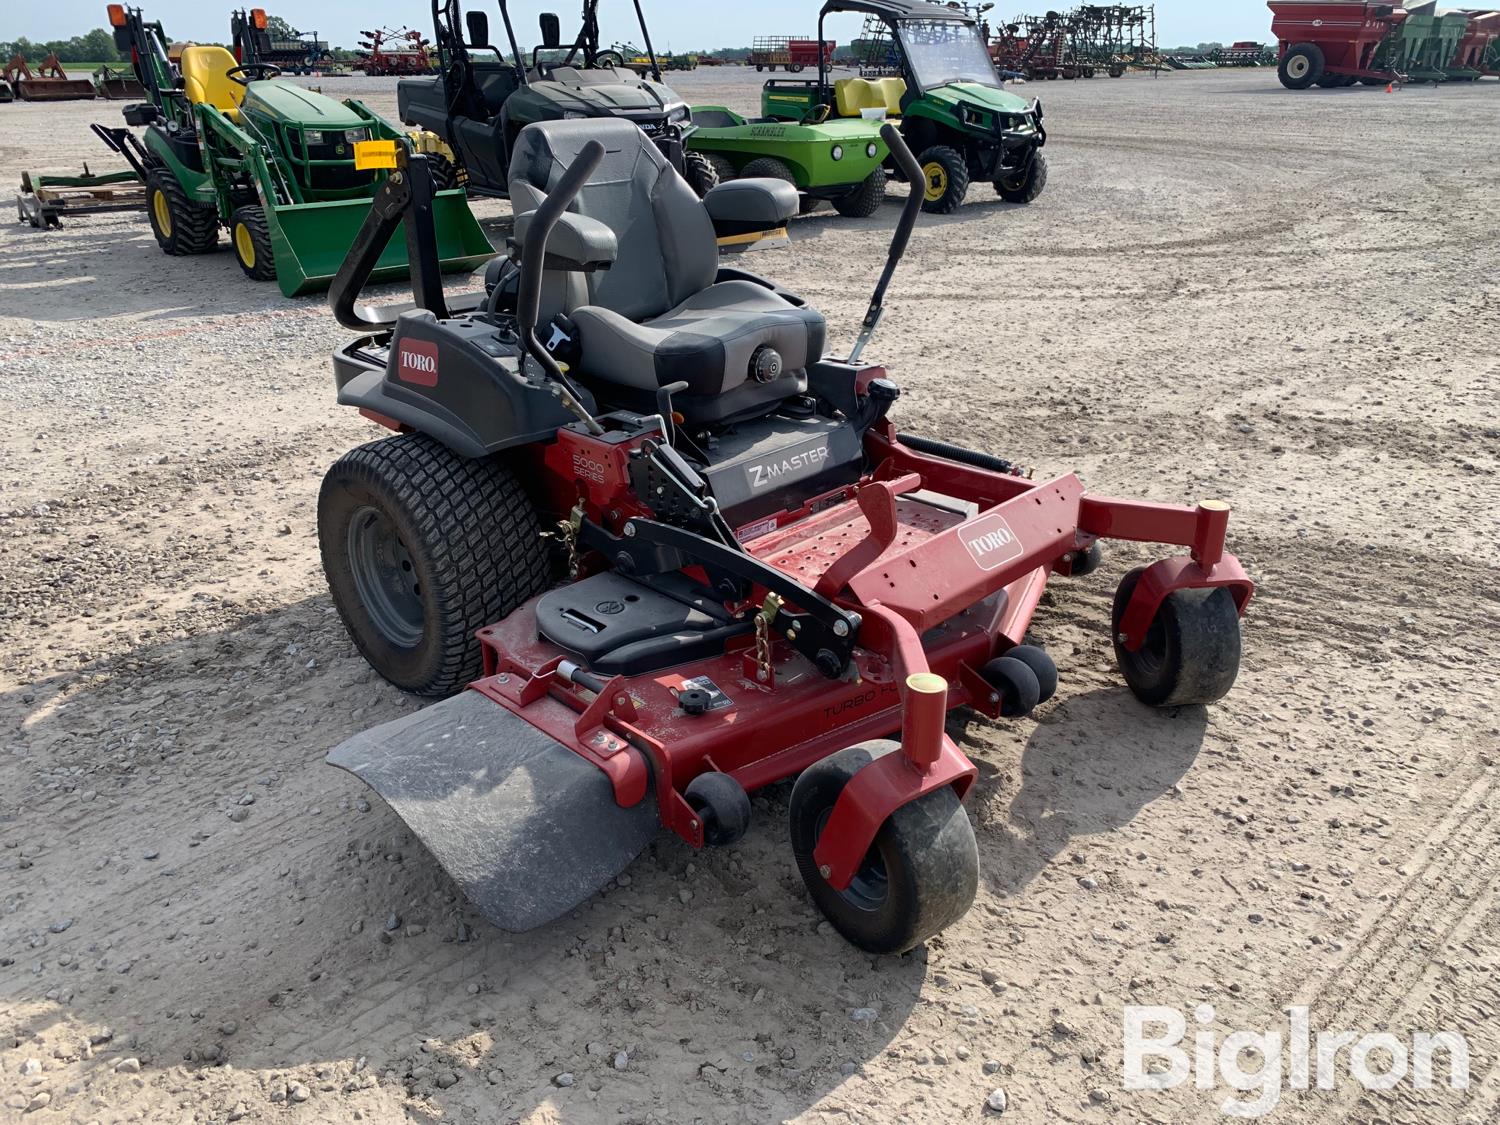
526 828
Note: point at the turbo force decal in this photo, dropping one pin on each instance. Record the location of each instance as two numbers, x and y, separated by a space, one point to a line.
990 542
787 468
417 363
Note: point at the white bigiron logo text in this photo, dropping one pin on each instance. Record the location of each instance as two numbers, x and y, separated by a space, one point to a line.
990 542
768 473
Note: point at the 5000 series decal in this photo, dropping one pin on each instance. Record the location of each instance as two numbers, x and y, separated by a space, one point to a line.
789 467
991 543
417 363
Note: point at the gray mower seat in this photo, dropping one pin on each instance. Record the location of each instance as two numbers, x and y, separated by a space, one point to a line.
657 315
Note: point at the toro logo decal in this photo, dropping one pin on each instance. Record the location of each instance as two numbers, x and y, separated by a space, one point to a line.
990 542
417 363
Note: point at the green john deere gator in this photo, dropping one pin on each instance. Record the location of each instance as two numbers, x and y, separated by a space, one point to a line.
927 65
228 145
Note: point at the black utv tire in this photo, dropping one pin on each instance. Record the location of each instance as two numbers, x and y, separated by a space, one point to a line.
250 238
864 200
768 167
1301 66
445 173
1191 654
723 167
945 181
920 874
1026 186
700 173
180 225
421 548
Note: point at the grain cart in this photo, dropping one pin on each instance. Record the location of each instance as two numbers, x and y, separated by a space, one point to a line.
1430 40
1335 42
225 144
1471 63
954 113
759 575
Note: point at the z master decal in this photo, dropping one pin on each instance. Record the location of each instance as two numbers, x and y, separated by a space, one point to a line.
416 363
990 542
788 467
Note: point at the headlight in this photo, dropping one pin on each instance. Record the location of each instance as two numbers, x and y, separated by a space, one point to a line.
871 149
678 114
313 136
354 136
838 152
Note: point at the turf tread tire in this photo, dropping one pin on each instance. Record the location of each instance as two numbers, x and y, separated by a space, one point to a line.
865 199
472 533
254 219
195 229
928 847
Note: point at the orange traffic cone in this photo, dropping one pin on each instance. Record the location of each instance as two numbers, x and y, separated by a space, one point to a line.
1390 88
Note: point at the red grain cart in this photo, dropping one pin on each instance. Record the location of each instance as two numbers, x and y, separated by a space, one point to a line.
1476 51
1332 42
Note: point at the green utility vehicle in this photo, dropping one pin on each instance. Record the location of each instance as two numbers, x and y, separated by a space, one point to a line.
930 62
228 145
835 159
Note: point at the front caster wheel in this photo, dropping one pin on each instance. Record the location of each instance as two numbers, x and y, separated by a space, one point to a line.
722 805
1191 653
919 876
1017 684
1085 562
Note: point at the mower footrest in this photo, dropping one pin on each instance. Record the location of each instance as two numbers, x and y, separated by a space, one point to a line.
525 827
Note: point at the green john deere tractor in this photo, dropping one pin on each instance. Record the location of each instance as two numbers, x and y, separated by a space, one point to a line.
228 145
928 64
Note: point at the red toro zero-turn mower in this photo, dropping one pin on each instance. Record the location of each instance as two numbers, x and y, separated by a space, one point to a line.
674 553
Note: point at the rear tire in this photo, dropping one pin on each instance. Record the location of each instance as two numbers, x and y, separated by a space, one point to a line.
723 167
768 167
945 179
700 173
1191 654
180 225
421 548
920 874
250 237
1025 187
1301 66
865 199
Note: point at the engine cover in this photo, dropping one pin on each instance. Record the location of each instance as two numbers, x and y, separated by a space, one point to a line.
777 464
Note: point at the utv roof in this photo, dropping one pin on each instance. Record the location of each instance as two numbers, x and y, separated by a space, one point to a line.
900 9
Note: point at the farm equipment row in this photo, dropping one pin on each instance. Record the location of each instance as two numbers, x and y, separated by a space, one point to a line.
1336 43
1090 40
48 83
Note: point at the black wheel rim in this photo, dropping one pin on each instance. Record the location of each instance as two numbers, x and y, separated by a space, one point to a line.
386 578
870 886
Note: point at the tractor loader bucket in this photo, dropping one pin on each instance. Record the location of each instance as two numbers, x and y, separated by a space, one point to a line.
54 89
526 828
311 240
117 89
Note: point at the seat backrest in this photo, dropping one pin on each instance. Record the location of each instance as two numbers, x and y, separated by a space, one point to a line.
667 249
203 71
856 94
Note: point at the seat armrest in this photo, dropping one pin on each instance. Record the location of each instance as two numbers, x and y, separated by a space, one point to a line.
577 243
730 273
750 205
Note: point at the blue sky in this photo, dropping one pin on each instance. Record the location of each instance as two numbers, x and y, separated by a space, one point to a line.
679 24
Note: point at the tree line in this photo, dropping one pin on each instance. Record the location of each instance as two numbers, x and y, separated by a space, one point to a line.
97 46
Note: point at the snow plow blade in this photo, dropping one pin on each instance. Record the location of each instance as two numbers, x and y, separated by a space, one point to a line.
525 827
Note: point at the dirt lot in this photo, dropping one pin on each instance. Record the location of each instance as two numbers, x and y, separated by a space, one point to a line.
1288 301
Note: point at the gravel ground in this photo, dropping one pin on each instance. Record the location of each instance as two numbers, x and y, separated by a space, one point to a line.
1288 301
